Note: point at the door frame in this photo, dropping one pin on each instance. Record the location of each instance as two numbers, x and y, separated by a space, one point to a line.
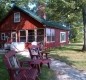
15 35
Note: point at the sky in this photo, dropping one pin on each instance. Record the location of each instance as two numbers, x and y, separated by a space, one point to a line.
31 6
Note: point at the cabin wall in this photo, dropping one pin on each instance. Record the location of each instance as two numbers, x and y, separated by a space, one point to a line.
26 22
57 42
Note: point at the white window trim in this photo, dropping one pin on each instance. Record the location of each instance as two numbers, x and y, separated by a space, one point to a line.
15 17
2 36
20 36
60 37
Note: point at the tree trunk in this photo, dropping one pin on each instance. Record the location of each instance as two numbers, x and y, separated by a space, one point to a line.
84 46
84 22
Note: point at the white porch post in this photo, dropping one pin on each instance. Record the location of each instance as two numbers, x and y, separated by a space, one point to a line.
26 35
35 33
44 37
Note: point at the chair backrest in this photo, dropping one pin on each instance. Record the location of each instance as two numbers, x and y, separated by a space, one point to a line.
34 51
11 62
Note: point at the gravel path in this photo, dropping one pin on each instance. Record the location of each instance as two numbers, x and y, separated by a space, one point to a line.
66 72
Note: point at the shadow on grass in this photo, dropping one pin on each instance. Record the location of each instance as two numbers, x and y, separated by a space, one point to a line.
71 49
75 44
61 58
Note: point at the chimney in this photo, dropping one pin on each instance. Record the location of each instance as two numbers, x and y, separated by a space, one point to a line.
41 11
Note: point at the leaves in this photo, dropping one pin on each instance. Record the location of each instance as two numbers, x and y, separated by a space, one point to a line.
64 8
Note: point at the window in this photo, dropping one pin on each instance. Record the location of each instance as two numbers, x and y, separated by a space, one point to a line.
14 36
31 36
40 35
17 17
62 37
50 34
2 36
22 36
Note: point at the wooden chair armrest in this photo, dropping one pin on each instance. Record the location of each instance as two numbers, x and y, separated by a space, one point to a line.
45 53
20 68
22 62
25 68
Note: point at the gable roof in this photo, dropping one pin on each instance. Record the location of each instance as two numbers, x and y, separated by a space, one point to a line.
50 24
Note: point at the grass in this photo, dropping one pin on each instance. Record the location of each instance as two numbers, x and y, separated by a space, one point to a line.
3 72
72 55
46 74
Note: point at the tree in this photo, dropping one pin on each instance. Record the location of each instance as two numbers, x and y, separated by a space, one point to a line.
84 22
5 6
68 11
3 10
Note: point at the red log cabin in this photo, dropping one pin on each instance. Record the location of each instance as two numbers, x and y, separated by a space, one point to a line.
21 25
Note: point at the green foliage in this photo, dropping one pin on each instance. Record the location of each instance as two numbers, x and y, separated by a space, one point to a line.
65 10
5 6
69 11
1 13
76 33
3 10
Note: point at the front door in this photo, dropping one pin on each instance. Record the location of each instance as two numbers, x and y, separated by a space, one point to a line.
14 36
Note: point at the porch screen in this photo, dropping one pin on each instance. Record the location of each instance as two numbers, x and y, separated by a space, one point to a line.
31 36
40 35
22 36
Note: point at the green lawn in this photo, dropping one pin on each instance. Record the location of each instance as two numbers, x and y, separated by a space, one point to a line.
46 74
72 55
3 72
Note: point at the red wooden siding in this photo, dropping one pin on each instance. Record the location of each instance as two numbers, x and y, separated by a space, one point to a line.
26 22
57 39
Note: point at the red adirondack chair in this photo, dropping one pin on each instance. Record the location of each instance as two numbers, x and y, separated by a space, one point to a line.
16 72
36 54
